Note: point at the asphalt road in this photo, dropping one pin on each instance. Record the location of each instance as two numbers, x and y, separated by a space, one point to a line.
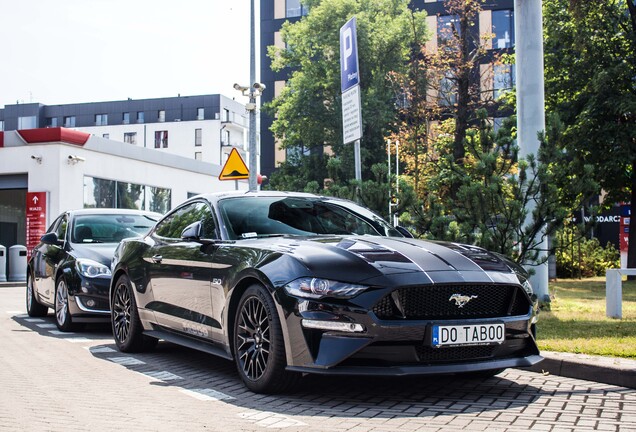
53 381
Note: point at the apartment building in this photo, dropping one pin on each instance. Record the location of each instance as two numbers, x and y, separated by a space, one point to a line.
497 17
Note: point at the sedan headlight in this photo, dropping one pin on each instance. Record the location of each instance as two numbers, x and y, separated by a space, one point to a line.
91 269
316 288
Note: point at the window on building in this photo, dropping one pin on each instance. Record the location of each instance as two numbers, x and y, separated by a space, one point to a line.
27 122
106 135
447 92
51 122
294 8
130 137
197 137
198 156
226 137
101 119
69 121
503 26
226 115
100 193
125 118
447 25
140 116
161 115
161 139
504 79
200 113
1 125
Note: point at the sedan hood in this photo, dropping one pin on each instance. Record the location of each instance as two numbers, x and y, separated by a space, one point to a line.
99 252
366 257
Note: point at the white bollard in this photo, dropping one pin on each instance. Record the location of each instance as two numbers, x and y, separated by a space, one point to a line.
613 294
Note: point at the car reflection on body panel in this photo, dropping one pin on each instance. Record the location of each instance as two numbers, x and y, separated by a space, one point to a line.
288 283
69 270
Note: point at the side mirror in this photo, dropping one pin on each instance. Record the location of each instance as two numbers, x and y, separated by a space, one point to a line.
192 232
406 233
50 239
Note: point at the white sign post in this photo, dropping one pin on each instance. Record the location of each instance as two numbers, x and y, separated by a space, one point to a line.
350 86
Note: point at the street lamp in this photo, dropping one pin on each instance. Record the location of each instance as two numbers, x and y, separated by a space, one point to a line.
252 93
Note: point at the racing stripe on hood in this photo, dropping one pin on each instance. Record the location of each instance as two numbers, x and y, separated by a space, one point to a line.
432 256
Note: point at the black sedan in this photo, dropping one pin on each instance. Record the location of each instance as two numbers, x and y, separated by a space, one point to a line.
69 270
289 283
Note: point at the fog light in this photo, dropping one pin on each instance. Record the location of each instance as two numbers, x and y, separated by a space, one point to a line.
333 325
90 303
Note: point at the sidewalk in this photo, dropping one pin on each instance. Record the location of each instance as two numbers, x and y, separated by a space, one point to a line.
607 370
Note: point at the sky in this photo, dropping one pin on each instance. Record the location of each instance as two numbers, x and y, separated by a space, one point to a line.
70 51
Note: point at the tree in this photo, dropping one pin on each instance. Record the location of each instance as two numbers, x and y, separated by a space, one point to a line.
590 58
308 121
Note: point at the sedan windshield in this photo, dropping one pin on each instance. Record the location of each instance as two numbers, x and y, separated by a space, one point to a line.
267 216
109 228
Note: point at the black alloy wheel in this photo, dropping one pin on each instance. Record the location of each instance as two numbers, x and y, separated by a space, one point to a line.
34 309
259 349
127 327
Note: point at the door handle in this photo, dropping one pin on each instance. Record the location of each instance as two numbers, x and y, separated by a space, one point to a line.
157 259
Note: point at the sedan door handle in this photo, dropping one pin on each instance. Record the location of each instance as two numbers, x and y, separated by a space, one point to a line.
157 259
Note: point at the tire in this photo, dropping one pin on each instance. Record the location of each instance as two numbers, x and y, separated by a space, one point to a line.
63 318
126 325
259 348
33 307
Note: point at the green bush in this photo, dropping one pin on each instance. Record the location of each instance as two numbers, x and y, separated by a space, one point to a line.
579 256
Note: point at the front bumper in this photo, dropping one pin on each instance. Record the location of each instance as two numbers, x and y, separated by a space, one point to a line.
395 347
88 299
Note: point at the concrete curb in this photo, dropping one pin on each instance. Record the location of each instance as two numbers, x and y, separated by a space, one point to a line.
607 370
12 284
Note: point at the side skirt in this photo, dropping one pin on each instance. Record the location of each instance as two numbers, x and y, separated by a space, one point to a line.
189 342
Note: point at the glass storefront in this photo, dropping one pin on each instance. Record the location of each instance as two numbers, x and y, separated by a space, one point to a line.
12 217
101 193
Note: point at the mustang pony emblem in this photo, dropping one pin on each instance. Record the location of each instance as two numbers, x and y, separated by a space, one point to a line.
461 300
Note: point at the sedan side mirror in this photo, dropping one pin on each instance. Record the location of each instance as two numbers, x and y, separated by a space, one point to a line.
406 233
50 239
192 233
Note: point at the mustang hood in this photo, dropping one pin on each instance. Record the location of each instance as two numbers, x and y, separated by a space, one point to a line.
368 257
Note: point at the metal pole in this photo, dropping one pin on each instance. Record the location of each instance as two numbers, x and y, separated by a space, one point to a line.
388 153
356 154
397 180
252 117
530 109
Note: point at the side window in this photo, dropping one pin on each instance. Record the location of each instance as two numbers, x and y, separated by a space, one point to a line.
173 225
60 229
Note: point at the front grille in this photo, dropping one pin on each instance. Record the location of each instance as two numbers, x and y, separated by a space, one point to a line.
436 302
428 354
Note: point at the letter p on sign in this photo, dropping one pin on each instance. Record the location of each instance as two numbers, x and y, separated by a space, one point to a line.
349 76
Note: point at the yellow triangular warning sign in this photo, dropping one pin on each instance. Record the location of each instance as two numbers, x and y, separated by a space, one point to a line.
234 168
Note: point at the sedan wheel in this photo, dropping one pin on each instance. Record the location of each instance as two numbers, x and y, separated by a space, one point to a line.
34 309
63 317
259 349
127 327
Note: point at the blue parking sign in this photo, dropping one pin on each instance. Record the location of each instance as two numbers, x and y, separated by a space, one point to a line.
349 75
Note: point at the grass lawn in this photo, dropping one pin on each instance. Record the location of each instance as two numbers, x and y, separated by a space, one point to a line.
577 321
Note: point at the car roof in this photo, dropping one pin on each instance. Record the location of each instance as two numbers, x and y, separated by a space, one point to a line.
216 196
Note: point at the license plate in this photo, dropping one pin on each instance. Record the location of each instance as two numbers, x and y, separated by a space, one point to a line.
469 334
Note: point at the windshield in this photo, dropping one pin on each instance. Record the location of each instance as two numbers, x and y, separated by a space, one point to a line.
267 216
110 228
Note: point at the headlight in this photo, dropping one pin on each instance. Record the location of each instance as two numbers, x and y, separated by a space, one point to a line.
316 288
527 287
91 269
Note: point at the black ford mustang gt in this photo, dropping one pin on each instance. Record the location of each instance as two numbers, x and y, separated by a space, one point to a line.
289 283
